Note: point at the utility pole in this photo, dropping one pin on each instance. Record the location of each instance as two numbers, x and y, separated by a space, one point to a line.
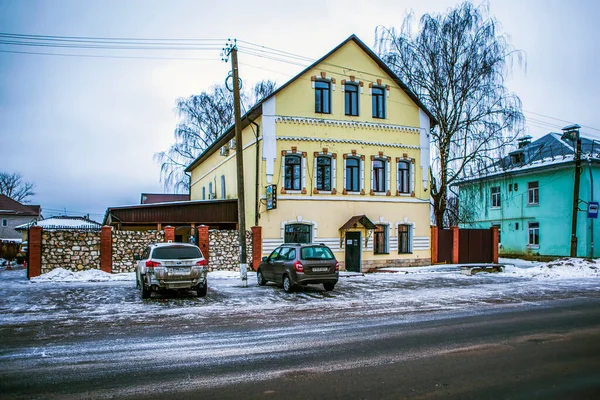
571 132
231 49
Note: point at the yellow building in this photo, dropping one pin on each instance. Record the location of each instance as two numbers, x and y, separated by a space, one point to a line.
345 146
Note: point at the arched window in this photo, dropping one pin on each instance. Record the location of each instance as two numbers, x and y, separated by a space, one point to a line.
297 233
403 177
353 174
292 172
323 173
379 175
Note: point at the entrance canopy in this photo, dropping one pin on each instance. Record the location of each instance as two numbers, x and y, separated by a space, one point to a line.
353 222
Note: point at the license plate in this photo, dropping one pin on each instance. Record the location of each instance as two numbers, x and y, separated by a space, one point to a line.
320 269
179 271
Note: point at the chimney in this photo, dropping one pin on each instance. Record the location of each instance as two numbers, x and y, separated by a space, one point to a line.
524 141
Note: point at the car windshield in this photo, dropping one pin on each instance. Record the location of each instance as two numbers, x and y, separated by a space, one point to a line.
176 253
316 253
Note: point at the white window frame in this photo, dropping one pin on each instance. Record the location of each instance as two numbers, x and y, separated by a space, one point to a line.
387 177
411 177
302 171
535 191
531 229
333 172
493 196
361 172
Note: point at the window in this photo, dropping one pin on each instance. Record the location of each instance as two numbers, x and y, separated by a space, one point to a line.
378 97
316 253
351 98
223 192
495 194
291 255
283 254
517 158
380 240
352 174
533 194
323 173
274 254
297 233
4 222
403 177
534 234
323 97
210 191
403 239
203 193
292 170
379 175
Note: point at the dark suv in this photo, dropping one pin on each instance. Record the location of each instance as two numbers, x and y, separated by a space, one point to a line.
299 264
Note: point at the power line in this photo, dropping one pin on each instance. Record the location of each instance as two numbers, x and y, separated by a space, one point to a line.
109 56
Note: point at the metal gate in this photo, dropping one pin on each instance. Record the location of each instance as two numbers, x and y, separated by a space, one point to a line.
444 246
475 246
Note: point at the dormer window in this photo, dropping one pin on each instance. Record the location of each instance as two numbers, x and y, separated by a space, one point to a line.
323 96
517 158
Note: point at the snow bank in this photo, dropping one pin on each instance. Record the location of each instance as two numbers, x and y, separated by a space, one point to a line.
563 268
90 275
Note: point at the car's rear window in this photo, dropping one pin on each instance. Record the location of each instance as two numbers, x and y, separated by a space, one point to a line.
176 253
316 253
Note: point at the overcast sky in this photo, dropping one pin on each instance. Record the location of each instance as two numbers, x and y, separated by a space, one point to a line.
85 129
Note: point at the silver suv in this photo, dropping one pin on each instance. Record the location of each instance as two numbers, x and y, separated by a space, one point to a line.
171 266
299 264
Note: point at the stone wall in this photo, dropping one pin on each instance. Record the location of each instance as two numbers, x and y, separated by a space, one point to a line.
73 250
224 250
127 243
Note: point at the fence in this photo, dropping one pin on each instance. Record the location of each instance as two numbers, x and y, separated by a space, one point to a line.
113 251
464 246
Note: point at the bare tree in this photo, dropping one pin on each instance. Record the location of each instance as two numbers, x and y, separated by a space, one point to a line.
202 119
13 186
456 64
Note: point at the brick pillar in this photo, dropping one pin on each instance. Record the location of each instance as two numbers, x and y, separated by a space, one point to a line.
256 246
203 240
495 234
169 234
455 244
434 245
35 251
106 249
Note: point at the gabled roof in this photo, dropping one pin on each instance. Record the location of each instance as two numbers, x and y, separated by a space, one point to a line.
549 151
63 223
256 111
10 206
358 219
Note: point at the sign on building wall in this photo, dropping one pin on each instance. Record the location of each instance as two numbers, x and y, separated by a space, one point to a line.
271 197
593 209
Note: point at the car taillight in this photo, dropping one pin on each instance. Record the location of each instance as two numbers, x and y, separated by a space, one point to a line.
151 264
298 266
337 266
202 263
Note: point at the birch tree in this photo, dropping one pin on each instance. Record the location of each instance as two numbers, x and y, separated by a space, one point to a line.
456 63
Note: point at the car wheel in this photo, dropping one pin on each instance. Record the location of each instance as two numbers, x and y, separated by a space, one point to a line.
261 279
288 286
329 286
146 290
201 289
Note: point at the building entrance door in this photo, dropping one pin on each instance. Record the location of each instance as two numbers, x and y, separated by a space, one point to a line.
353 253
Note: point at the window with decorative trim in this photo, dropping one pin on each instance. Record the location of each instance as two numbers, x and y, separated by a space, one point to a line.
323 173
378 101
404 177
323 96
351 98
404 241
352 181
292 172
380 239
298 233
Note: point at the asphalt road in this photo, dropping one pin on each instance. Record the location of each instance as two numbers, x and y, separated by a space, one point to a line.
515 352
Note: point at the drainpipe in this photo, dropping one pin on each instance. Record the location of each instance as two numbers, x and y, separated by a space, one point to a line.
591 199
257 194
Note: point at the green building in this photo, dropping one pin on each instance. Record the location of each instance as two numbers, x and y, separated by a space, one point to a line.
529 196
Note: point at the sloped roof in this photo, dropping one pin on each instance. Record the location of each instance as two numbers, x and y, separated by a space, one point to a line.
63 223
256 111
549 151
153 198
10 206
358 219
